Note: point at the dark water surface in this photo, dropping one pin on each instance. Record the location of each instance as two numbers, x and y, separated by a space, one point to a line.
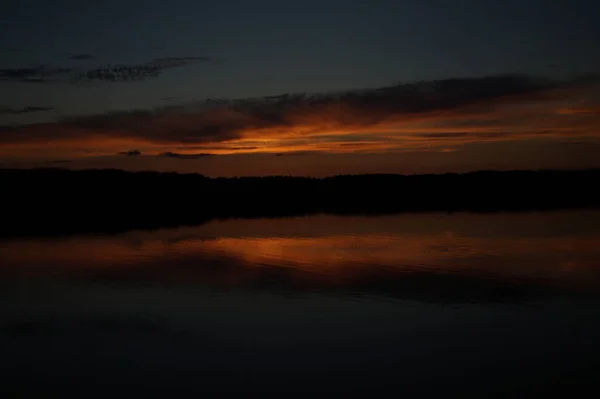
460 305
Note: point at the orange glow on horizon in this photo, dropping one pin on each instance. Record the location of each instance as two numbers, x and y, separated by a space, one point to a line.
330 129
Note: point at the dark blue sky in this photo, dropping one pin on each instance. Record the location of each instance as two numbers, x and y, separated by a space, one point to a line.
84 67
270 47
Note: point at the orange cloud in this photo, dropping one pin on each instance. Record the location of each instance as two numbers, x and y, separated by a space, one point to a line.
580 111
426 116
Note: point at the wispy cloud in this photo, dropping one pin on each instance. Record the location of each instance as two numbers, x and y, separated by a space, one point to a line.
81 57
114 73
130 153
432 115
594 111
59 161
581 143
185 156
37 74
295 153
171 62
25 110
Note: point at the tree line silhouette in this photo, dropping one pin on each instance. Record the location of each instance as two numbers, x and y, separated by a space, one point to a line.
55 201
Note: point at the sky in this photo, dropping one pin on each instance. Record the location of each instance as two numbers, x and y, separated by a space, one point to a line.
300 88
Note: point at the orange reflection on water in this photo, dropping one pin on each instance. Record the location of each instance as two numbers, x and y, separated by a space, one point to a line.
342 253
338 248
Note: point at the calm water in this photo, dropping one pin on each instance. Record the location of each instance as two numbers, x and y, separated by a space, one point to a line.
460 305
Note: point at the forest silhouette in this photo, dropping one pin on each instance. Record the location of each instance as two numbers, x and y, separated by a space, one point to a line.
53 201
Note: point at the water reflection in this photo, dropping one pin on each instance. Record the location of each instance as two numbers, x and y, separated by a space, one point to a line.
400 256
480 304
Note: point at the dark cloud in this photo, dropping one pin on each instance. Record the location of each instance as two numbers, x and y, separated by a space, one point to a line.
171 62
185 156
444 135
580 143
352 137
546 132
241 148
59 161
118 73
218 121
26 110
128 72
131 153
295 153
37 74
475 135
592 111
168 124
81 57
488 122
352 145
238 148
217 148
114 73
34 80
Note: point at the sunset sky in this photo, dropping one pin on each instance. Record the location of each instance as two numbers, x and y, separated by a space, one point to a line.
303 88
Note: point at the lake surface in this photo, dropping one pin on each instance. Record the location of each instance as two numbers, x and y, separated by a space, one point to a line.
459 305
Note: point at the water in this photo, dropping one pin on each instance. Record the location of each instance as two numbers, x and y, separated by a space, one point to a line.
460 305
